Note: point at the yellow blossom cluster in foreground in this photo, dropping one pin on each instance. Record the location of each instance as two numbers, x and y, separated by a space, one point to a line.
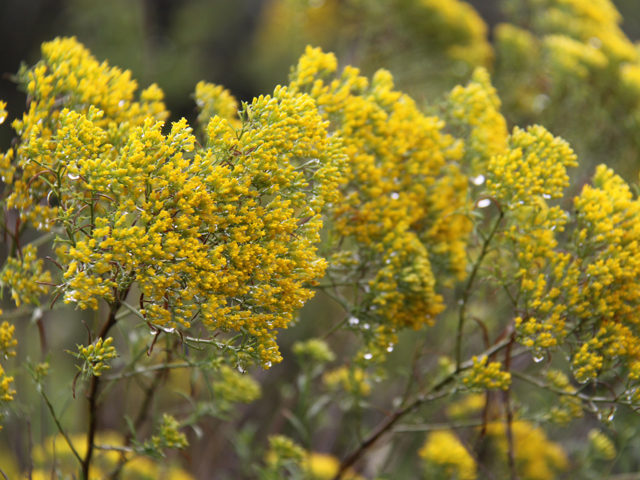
223 234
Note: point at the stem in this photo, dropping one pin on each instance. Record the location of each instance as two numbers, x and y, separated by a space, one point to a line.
509 415
92 396
57 422
436 426
153 368
581 396
335 328
427 395
143 412
467 291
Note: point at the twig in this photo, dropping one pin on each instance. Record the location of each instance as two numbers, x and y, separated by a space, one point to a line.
509 415
153 368
467 291
581 396
57 422
429 394
93 397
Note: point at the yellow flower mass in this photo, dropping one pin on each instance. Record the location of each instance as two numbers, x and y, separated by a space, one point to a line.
223 234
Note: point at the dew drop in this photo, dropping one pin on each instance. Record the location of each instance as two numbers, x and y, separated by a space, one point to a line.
354 321
366 326
368 356
546 196
540 102
3 118
268 364
395 195
479 180
484 203
73 177
538 357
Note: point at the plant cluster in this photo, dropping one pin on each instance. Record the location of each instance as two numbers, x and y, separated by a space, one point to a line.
437 230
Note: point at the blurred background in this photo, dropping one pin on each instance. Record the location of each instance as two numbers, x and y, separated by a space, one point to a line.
246 45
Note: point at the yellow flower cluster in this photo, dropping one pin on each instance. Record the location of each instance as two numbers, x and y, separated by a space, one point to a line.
285 452
443 452
68 76
601 445
322 466
575 70
169 436
25 277
95 357
476 108
453 26
403 209
214 100
223 233
6 394
234 387
483 376
316 349
55 452
534 165
467 406
354 381
282 450
537 458
584 21
446 35
569 407
590 288
570 57
7 342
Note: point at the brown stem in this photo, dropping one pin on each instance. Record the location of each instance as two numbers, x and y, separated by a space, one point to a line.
143 412
509 415
92 396
429 394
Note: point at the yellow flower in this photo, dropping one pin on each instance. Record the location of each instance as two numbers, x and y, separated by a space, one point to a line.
537 458
486 376
443 450
354 381
236 387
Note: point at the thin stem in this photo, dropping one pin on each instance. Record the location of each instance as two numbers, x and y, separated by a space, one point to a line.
143 412
92 396
509 416
428 394
467 291
335 328
59 425
436 426
153 368
133 310
581 396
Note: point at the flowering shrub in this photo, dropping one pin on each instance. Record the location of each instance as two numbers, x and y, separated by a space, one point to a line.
457 264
